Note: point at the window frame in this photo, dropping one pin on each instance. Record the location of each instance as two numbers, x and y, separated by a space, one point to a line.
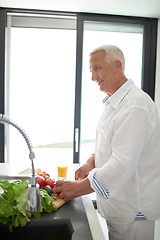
148 68
2 78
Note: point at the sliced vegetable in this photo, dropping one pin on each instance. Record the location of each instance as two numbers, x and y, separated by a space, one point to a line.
44 174
51 183
44 181
45 177
41 181
48 189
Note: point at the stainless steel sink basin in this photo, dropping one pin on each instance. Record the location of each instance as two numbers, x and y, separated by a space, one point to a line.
53 229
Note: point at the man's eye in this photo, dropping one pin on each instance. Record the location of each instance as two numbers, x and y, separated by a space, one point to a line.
96 68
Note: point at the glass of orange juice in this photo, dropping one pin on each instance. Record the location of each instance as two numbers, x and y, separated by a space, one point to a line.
62 171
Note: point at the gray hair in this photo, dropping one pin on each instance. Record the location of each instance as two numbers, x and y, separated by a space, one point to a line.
113 53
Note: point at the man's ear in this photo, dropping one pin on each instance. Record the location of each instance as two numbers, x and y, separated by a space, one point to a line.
118 65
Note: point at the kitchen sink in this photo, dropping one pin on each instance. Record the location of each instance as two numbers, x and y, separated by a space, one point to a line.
53 229
69 222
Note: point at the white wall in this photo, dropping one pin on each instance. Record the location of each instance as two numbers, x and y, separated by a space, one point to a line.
157 86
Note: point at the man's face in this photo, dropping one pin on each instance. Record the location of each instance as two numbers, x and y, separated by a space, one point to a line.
102 72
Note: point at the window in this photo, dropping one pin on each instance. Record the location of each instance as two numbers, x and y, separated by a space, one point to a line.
45 81
129 38
41 88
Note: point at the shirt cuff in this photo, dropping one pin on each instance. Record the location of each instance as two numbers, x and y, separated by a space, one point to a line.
97 186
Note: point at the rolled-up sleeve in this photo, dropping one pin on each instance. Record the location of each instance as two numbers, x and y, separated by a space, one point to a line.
97 186
130 134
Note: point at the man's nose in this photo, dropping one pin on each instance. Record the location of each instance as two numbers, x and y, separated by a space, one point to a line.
94 76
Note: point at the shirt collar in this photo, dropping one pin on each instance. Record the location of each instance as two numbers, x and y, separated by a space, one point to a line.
118 96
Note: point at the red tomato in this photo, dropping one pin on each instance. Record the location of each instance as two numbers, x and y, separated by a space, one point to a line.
45 177
41 181
51 183
47 174
44 174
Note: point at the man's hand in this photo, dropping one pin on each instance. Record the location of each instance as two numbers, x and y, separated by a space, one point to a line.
67 189
84 170
72 189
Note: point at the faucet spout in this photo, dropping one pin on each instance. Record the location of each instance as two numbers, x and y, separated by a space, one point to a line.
33 196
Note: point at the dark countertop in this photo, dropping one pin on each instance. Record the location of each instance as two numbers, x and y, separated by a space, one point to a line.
75 211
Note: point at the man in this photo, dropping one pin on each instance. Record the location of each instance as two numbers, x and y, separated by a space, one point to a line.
125 169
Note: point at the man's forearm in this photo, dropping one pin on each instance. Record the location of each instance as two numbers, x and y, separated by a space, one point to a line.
91 162
84 187
72 189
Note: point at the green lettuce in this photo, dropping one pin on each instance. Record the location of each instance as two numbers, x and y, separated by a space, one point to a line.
13 203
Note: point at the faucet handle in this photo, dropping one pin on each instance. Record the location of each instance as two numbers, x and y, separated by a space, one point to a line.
31 155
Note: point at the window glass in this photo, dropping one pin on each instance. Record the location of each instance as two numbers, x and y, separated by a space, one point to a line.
42 91
129 38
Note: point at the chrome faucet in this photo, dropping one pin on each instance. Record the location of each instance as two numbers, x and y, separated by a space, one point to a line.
33 195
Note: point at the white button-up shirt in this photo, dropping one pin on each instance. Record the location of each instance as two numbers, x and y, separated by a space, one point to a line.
126 176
